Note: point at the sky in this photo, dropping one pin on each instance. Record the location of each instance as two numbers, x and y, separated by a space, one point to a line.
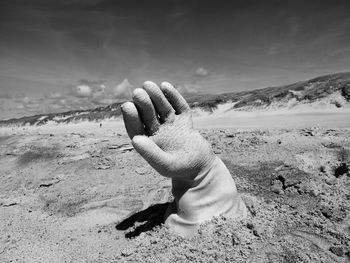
65 55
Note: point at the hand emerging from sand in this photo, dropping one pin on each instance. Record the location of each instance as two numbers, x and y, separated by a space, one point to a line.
160 126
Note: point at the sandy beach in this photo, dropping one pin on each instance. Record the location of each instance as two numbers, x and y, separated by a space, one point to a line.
80 193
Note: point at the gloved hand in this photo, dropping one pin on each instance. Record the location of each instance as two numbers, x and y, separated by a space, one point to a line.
160 126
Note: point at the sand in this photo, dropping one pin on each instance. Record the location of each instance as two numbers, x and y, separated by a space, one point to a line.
80 193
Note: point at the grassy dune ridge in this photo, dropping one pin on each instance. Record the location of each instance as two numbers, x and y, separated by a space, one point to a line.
336 87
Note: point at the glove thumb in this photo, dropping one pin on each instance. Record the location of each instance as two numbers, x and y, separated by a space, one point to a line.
154 155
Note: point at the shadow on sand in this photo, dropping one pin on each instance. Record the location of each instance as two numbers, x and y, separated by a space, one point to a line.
144 220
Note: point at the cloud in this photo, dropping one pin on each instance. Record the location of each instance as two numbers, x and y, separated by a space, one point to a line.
18 97
27 100
5 96
32 106
104 101
85 95
55 107
82 91
201 72
91 83
20 107
62 102
188 89
95 92
99 92
100 95
54 95
339 52
275 49
123 90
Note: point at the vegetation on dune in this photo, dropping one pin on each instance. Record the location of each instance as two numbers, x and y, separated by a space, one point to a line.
302 92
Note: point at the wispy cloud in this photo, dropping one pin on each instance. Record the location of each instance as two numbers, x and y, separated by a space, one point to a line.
82 91
188 88
201 72
123 90
274 49
340 52
54 95
5 96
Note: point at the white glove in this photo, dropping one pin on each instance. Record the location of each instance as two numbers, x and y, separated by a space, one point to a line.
160 126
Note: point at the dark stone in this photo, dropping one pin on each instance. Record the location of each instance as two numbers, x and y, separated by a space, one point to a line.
337 251
256 233
340 170
327 212
322 169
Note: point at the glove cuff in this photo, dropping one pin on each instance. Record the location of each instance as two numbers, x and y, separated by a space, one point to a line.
212 193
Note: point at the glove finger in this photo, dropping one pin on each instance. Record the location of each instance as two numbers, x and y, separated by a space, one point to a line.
146 110
132 120
151 152
175 98
161 104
